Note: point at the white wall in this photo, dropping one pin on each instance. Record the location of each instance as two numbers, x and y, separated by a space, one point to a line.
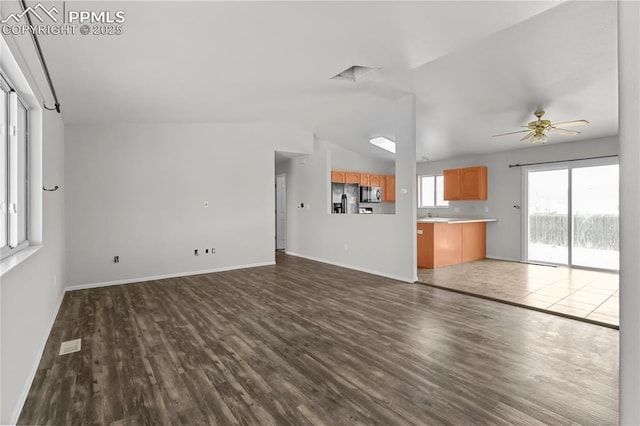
629 107
31 292
345 159
380 244
505 187
138 191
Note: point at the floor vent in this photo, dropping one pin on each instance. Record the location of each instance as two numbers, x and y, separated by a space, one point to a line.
70 346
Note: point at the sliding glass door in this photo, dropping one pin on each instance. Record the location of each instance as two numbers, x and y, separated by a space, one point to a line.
548 216
571 214
594 210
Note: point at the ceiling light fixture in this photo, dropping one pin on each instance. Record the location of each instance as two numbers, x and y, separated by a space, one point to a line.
384 143
539 138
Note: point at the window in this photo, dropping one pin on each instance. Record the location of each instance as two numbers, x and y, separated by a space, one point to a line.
14 144
431 191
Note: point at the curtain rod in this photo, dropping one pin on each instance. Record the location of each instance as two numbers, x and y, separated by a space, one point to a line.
560 161
36 43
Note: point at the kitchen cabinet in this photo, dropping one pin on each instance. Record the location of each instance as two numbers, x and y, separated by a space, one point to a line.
390 194
469 183
474 241
386 182
338 176
443 244
352 177
425 246
451 184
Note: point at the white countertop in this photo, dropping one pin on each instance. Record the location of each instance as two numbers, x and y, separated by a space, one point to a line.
456 219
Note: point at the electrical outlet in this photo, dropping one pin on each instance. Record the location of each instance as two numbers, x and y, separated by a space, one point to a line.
116 259
195 252
457 210
486 209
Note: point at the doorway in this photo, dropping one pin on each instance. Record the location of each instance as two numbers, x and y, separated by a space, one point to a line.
281 212
571 215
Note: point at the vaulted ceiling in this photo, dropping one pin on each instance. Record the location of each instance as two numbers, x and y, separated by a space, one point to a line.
477 67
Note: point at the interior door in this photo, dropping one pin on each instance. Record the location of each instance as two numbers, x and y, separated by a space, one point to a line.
281 212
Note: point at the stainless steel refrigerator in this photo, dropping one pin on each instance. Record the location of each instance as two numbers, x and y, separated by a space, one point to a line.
350 190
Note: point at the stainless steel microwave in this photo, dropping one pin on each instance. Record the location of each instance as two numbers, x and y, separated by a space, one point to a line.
370 194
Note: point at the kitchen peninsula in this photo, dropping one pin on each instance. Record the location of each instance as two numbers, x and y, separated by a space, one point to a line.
448 241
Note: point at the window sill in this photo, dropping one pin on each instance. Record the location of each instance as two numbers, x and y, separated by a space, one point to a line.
14 260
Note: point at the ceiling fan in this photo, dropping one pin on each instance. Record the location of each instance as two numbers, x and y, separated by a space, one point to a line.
537 130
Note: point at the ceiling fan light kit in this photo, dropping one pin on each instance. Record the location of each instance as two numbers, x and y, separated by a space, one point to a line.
537 130
539 138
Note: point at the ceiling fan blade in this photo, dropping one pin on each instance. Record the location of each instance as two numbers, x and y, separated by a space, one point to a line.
511 133
527 137
565 131
571 123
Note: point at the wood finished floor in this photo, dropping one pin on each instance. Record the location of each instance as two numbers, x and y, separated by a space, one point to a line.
308 343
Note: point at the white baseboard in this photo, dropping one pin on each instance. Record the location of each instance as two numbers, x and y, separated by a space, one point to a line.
356 268
508 259
165 276
25 391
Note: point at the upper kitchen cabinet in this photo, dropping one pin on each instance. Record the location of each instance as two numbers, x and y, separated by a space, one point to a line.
389 194
338 176
352 177
469 183
374 180
451 184
365 179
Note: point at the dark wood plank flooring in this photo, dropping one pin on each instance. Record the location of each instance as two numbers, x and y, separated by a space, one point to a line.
308 343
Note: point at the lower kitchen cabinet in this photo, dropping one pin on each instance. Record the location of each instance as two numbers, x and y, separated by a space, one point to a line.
474 241
442 244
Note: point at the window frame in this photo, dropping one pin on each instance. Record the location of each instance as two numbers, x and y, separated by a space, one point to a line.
14 190
434 205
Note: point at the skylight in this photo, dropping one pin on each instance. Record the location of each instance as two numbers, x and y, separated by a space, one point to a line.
384 143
